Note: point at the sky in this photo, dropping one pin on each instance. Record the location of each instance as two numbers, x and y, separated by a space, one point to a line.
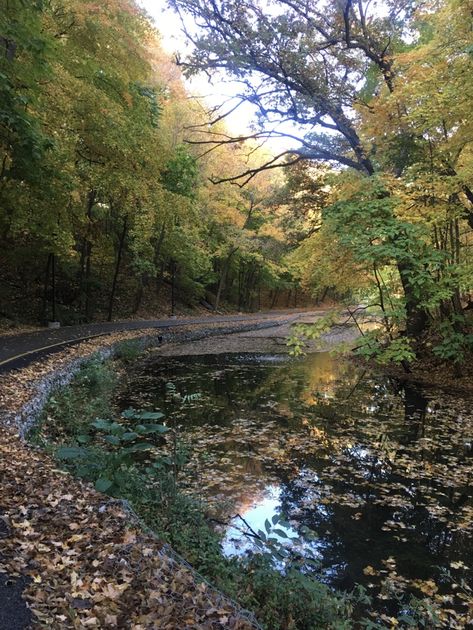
173 40
238 122
167 23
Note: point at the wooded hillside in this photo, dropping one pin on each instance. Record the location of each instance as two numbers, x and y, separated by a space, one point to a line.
379 94
117 186
104 205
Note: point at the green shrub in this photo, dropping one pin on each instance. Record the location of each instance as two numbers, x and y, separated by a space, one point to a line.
128 351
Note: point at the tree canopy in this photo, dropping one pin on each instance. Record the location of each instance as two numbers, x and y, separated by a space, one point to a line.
370 90
115 184
104 199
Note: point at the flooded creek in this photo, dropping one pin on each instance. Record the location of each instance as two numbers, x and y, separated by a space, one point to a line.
373 478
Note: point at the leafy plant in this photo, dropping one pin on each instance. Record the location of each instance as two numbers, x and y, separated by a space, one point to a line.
70 410
302 332
374 345
124 447
128 351
454 342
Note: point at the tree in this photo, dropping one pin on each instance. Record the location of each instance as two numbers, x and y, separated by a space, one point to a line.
25 56
317 65
101 175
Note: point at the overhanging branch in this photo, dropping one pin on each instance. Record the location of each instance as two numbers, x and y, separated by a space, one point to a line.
242 179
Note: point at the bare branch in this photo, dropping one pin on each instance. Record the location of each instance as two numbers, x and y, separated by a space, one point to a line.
249 174
219 118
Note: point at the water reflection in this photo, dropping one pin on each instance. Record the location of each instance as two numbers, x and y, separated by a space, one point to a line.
378 469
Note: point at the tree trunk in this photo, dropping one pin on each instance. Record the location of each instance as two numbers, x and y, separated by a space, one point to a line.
157 253
173 287
416 317
324 295
45 291
223 277
117 268
250 282
160 279
88 265
240 288
84 269
139 294
159 244
53 287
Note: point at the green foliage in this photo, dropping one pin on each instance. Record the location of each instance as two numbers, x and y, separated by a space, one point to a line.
374 345
24 60
302 332
295 601
70 410
366 224
95 168
154 105
180 173
128 351
454 342
116 449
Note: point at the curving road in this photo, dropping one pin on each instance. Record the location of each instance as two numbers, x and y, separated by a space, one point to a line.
17 351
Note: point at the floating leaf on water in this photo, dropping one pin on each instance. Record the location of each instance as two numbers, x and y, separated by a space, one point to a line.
101 424
113 439
128 437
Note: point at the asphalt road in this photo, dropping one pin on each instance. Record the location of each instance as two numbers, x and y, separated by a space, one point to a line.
17 351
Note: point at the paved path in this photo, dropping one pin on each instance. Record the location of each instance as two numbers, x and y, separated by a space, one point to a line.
17 351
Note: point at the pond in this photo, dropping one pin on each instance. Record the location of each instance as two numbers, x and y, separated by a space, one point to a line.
373 475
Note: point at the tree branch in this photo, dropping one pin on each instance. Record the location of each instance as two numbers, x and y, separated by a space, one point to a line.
249 174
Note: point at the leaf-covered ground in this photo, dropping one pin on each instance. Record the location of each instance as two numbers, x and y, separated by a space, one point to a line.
88 566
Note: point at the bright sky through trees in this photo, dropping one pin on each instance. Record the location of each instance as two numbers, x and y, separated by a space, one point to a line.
174 41
218 93
214 93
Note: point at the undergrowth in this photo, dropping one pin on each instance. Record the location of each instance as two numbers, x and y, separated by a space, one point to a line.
70 410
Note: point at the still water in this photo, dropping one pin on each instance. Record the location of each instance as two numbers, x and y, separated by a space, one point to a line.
372 476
